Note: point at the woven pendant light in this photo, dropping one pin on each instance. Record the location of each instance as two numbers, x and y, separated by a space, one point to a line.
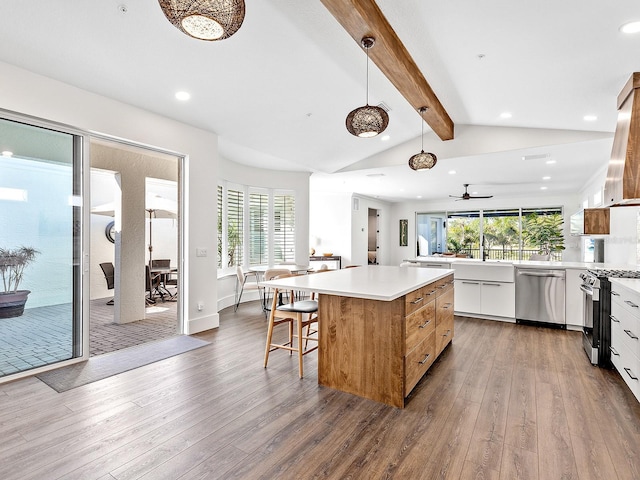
367 121
205 19
422 160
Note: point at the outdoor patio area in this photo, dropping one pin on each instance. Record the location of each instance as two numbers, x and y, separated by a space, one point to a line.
43 335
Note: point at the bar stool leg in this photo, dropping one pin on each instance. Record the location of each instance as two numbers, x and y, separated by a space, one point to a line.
300 352
269 335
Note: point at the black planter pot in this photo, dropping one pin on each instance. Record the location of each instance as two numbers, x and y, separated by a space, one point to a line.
12 303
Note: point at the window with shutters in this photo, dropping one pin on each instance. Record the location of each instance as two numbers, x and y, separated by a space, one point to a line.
258 228
220 242
284 232
235 220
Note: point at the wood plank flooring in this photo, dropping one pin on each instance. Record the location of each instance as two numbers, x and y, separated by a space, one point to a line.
504 401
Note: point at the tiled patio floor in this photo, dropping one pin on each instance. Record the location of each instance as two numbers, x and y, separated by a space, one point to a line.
43 335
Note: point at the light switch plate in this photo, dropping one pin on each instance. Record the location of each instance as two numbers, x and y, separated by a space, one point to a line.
201 252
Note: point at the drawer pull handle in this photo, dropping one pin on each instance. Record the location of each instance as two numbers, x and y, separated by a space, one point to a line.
471 283
417 300
446 306
424 360
431 292
614 319
631 334
631 304
447 333
491 284
614 351
630 373
615 294
425 324
443 286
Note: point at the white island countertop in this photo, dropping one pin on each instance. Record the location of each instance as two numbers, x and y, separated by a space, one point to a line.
371 282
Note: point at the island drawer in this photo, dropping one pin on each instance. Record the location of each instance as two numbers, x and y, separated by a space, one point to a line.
416 300
418 361
420 324
444 307
444 334
443 285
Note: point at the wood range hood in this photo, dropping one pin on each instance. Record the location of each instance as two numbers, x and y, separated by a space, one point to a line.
622 186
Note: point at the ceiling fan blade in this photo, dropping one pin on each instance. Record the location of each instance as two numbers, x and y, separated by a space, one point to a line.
456 196
482 196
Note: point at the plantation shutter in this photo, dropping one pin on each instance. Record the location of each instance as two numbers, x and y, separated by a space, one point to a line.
284 231
220 241
235 218
258 225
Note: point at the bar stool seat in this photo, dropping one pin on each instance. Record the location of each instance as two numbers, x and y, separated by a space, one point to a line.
302 313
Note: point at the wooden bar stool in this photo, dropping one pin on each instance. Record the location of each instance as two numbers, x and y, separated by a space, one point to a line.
303 313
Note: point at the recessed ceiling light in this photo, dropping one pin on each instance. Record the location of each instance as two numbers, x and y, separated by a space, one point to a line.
631 27
7 153
385 138
550 162
546 178
184 96
419 196
590 118
474 193
506 115
402 189
452 172
543 188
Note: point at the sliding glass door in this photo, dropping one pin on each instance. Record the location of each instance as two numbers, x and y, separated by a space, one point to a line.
40 247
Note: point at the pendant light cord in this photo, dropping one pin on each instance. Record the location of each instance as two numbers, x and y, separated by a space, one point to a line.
367 49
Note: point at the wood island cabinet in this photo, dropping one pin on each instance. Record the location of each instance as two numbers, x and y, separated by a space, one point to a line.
381 349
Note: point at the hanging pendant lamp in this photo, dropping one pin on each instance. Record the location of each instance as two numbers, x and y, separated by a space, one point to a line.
205 19
367 121
422 160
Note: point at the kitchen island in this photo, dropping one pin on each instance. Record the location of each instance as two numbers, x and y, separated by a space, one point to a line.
380 327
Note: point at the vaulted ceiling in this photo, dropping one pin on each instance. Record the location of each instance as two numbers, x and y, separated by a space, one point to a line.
278 91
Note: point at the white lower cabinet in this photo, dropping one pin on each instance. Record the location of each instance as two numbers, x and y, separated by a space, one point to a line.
496 299
467 296
625 331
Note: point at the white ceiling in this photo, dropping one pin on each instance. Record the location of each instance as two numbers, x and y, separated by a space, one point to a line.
278 91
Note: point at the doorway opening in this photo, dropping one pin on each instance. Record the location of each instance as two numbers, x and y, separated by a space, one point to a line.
373 237
135 232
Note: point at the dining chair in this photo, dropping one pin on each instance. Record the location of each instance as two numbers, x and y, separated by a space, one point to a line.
151 285
242 285
109 276
302 313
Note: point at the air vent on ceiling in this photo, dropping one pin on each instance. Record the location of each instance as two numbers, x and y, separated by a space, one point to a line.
373 175
541 156
384 106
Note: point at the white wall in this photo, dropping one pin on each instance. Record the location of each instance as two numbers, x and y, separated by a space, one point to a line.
621 245
330 224
27 93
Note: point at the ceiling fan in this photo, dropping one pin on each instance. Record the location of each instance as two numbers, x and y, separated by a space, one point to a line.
467 196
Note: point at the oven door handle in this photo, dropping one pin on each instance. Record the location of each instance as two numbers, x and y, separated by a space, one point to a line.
586 290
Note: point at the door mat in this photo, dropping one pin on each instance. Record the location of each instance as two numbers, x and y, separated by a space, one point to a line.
103 366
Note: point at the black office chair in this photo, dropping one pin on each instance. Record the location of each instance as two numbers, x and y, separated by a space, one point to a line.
108 270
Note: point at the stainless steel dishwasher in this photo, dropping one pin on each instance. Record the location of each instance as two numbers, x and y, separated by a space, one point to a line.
540 295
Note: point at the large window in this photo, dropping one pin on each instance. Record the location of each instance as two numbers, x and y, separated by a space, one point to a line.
259 226
506 234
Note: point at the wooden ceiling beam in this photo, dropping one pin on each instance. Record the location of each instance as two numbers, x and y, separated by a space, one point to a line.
363 18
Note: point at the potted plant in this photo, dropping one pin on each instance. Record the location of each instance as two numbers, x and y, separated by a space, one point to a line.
12 265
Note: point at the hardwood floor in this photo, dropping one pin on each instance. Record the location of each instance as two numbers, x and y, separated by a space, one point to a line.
504 401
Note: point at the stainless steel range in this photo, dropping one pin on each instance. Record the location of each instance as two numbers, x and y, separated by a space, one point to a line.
596 294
